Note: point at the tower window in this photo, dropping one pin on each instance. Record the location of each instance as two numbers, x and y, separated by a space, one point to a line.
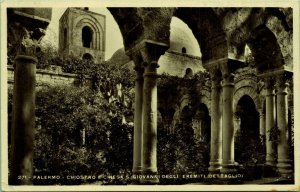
65 38
87 36
87 56
183 50
188 72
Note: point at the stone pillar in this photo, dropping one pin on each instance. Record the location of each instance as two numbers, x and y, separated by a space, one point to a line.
149 163
25 32
262 124
150 54
138 115
270 121
23 120
228 163
284 162
216 129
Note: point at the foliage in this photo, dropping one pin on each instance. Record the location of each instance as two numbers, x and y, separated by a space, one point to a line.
63 112
249 150
46 54
180 153
274 134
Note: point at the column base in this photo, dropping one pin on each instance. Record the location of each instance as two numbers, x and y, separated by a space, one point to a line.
229 168
285 168
215 167
149 177
270 170
270 161
136 175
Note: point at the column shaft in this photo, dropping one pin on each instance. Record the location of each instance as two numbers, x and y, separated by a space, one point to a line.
284 162
270 123
216 131
137 142
149 157
23 124
228 164
262 124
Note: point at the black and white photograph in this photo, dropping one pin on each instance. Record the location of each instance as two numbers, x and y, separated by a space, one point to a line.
158 97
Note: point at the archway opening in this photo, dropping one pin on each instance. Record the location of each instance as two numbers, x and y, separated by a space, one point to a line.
249 149
249 117
87 36
88 57
201 124
189 72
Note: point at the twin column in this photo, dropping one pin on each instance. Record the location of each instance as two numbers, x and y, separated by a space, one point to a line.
222 129
279 113
145 120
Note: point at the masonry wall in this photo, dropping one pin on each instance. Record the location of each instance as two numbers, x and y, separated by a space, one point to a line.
51 77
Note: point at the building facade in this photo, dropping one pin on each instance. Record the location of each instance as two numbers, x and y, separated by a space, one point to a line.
82 34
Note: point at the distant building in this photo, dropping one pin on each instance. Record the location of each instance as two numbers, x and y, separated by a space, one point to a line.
82 34
181 59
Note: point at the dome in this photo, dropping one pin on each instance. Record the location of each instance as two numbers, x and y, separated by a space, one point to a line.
182 39
119 57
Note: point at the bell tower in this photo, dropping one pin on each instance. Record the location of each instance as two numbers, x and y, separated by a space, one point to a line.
82 34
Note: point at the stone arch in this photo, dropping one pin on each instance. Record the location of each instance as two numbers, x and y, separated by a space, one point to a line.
189 72
208 31
246 90
205 99
265 49
87 56
98 31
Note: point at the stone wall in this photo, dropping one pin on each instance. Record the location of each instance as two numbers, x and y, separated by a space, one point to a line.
50 77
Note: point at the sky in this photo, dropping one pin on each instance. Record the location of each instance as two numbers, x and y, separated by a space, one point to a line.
114 39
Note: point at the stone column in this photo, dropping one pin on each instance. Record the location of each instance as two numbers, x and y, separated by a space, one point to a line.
270 121
216 129
284 162
138 123
26 35
149 163
150 54
262 124
228 163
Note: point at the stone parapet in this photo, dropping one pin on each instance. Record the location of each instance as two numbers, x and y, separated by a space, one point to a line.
45 77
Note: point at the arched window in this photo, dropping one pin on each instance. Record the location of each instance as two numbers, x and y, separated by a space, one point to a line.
65 38
183 50
87 56
87 36
188 72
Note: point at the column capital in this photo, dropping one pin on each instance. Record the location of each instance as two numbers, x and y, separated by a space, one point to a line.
282 82
151 51
269 83
228 79
26 28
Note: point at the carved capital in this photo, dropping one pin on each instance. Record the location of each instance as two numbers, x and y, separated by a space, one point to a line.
228 79
282 83
269 85
25 40
216 77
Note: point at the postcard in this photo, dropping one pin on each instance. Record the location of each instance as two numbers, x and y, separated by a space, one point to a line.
149 96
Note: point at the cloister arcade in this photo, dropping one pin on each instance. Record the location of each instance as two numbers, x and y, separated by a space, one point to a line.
222 34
